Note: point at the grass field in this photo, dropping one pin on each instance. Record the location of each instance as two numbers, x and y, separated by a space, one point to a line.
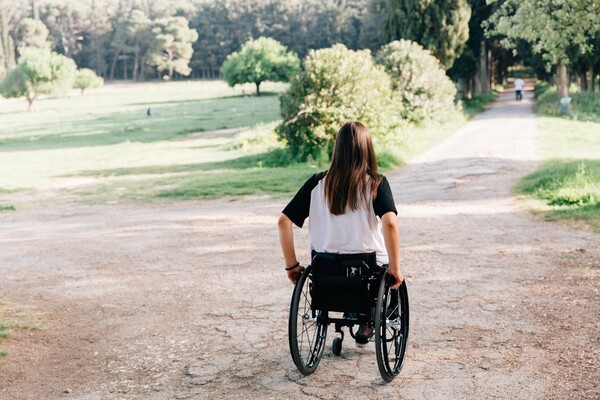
567 187
202 140
103 147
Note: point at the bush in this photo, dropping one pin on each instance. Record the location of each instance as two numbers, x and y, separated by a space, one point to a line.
419 82
336 85
86 78
584 105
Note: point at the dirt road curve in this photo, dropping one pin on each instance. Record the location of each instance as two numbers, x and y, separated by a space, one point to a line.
190 300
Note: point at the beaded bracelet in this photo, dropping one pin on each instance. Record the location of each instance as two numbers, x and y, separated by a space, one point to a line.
292 267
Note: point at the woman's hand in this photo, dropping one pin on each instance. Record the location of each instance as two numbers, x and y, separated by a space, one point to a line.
399 278
294 274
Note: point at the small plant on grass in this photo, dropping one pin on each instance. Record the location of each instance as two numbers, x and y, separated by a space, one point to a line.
86 78
7 207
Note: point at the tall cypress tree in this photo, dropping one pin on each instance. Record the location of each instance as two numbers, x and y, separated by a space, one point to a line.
441 26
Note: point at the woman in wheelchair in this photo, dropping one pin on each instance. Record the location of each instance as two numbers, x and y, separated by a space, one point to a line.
350 209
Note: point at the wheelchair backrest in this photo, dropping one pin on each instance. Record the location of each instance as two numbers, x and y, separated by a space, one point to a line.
340 282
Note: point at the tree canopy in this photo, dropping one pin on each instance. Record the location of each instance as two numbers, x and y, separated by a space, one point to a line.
559 31
39 72
263 59
31 33
441 26
172 48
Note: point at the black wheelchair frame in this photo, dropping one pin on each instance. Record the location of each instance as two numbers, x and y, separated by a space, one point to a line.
352 284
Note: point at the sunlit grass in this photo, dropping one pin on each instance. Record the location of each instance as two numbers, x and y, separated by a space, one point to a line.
203 140
568 185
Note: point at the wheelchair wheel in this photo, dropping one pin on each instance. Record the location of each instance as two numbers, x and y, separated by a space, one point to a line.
391 328
306 332
336 346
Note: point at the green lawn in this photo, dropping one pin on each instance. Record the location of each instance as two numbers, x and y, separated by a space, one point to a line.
567 187
103 147
203 140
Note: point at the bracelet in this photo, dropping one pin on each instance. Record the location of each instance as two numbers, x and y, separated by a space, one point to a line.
292 267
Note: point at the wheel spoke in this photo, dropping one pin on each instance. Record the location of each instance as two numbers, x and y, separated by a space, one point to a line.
307 331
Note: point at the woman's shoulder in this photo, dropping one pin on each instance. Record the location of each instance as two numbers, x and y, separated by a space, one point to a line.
317 177
314 180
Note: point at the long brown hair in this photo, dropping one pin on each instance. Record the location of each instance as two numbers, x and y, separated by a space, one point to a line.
346 183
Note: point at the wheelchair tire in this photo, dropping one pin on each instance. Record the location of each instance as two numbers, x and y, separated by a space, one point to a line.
336 346
391 328
306 332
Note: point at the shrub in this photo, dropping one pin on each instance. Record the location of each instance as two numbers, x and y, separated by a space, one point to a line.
584 105
86 78
336 85
419 82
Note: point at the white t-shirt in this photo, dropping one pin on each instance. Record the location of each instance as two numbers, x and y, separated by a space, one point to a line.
352 232
519 83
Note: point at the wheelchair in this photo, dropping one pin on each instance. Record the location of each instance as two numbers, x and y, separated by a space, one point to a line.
347 290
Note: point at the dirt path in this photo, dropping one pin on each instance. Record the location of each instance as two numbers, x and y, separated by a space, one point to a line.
189 300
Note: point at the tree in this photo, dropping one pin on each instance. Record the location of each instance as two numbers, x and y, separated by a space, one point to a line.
441 26
31 33
418 81
263 59
173 45
66 21
335 85
11 12
553 28
86 78
38 72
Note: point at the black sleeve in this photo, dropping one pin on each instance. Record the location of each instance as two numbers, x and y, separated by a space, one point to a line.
384 201
299 207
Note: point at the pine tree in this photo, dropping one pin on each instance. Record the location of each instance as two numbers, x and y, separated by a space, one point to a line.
441 26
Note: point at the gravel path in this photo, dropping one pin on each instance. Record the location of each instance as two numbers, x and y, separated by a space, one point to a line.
189 300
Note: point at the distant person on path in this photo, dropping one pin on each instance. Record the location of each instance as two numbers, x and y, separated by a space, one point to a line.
350 209
519 84
148 112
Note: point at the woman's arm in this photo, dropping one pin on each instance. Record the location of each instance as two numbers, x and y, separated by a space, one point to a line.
286 240
391 236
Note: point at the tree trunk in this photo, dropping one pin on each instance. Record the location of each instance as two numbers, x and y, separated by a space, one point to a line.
592 78
5 42
563 80
257 88
114 64
30 99
482 74
489 72
34 8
